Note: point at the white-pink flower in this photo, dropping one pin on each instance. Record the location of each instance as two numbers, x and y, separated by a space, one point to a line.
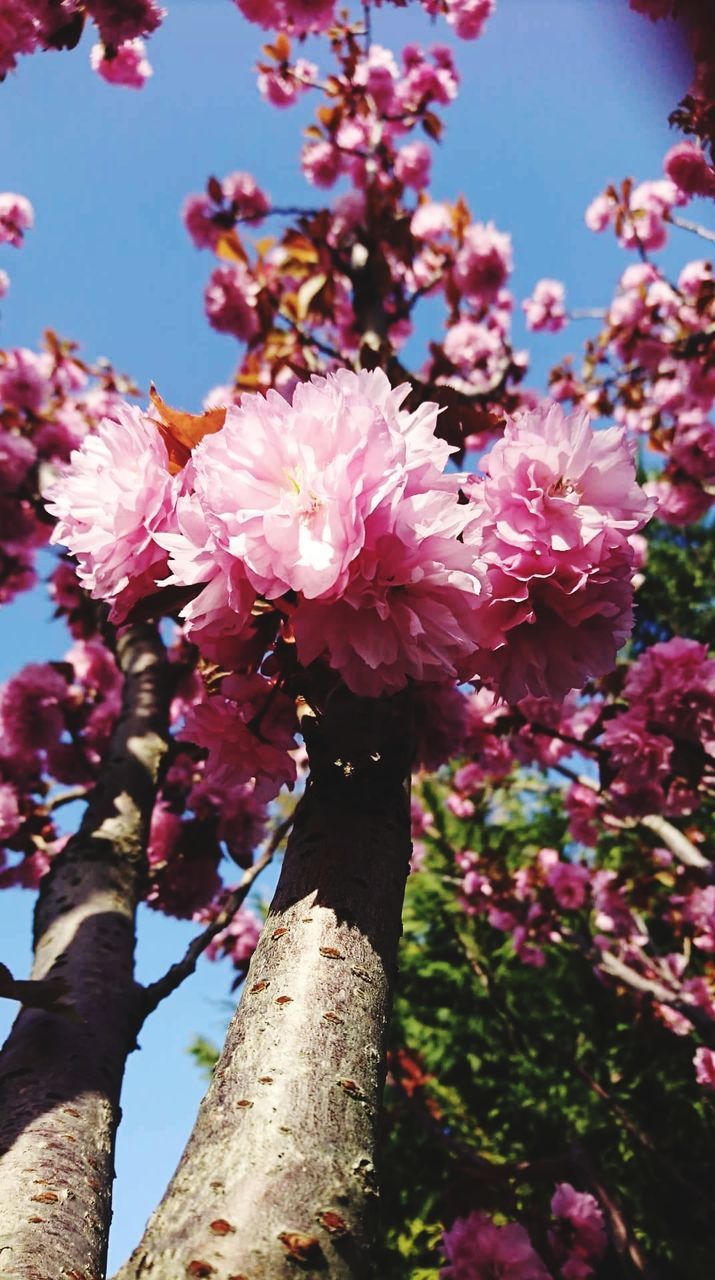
288 488
113 498
127 65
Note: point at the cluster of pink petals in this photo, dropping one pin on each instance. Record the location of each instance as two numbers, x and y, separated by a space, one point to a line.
230 301
299 16
555 512
544 310
660 746
282 85
115 497
643 223
483 262
238 941
16 217
248 731
127 65
686 166
237 197
580 1238
28 25
704 1061
468 17
477 1249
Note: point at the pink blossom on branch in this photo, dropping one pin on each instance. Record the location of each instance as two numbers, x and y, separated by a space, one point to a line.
115 496
16 217
477 1249
126 65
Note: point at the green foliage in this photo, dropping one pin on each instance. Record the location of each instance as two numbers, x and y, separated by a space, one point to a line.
507 1079
205 1054
677 596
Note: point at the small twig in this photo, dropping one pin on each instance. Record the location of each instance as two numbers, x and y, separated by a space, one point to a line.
66 797
676 841
152 995
686 224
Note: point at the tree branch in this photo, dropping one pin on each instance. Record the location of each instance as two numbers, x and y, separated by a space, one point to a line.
152 995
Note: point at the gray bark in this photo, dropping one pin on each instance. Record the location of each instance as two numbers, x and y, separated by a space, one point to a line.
60 1074
278 1177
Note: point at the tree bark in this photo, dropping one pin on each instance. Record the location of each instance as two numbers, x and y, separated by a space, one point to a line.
278 1177
60 1075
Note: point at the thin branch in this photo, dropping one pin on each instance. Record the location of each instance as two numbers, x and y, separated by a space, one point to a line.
686 224
676 841
61 798
152 995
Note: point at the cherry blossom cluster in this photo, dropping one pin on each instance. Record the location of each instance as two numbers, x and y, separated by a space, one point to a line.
49 401
695 114
297 302
652 366
327 531
477 1247
16 217
30 25
466 17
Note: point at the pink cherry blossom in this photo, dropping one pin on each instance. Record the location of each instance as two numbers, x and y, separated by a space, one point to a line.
321 163
483 262
121 22
127 64
704 1061
23 379
580 1237
4 284
230 301
281 86
116 494
198 217
688 168
555 511
238 941
477 1249
412 165
544 310
10 816
469 16
16 217
288 488
378 75
32 708
243 193
247 731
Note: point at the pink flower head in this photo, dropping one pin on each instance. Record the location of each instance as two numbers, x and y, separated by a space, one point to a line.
238 940
248 732
308 15
16 217
431 221
378 74
477 1249
198 217
321 163
114 497
23 380
469 16
281 86
127 65
10 816
243 192
412 165
555 512
704 1061
17 456
569 884
4 283
32 708
483 262
545 312
411 608
673 685
288 488
119 22
230 301
687 167
580 1238
18 33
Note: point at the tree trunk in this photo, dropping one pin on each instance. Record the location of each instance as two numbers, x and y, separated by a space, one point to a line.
60 1075
279 1176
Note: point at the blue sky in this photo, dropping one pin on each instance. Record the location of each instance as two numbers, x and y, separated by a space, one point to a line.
558 98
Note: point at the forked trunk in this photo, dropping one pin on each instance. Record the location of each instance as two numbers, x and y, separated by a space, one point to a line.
60 1075
279 1177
